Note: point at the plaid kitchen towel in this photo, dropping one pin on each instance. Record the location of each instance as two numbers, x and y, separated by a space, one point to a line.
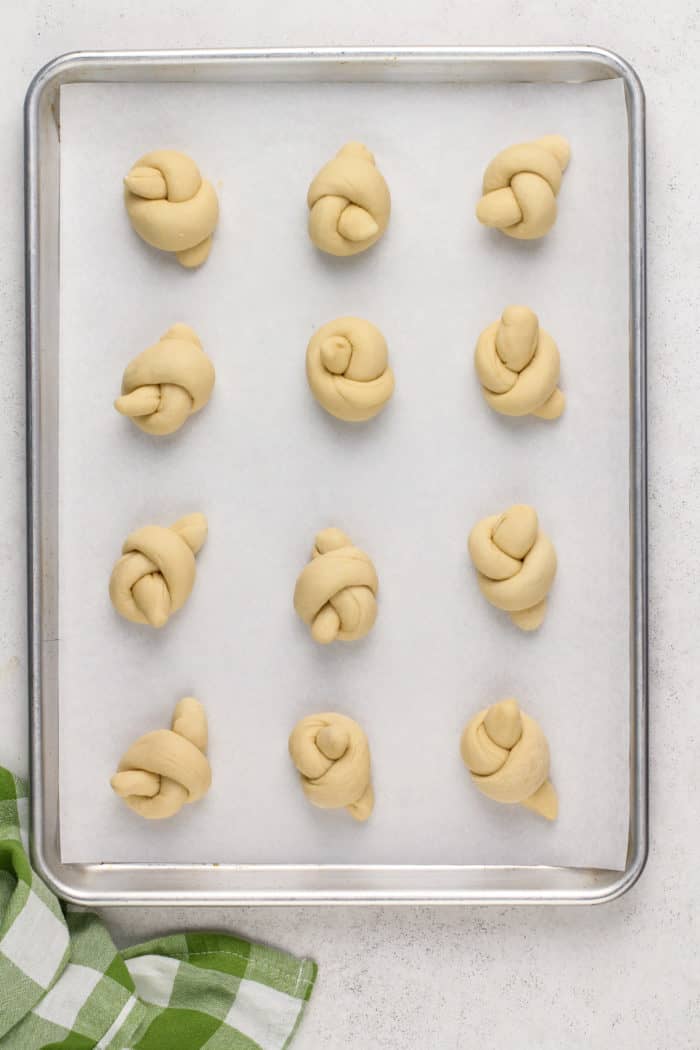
64 985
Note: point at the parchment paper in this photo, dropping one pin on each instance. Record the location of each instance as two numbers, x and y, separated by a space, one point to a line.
269 468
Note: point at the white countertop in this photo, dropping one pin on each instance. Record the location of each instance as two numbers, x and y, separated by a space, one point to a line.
625 974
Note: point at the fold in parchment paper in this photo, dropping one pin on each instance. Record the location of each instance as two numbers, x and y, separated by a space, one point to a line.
269 468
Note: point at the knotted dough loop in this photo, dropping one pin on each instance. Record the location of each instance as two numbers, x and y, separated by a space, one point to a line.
517 363
167 383
349 202
347 366
516 564
155 575
165 769
171 206
520 187
332 755
335 593
507 755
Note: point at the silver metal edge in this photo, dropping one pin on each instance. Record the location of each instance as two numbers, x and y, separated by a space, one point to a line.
40 83
68 68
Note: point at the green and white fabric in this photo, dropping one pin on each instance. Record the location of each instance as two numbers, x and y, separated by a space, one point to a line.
64 985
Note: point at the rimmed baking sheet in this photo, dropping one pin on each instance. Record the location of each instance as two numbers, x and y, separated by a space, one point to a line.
268 467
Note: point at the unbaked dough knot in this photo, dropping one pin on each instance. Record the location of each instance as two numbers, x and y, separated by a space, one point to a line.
155 575
516 564
167 383
171 206
520 187
507 755
165 769
331 753
349 202
336 591
347 366
517 363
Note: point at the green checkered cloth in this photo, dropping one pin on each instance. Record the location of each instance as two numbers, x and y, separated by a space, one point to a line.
64 985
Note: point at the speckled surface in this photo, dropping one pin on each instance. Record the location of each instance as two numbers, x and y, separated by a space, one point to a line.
624 975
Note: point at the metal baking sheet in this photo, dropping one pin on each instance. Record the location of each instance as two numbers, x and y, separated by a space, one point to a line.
349 881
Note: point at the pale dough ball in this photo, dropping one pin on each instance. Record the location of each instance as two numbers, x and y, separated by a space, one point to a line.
517 363
165 769
507 755
349 202
336 592
171 206
331 753
520 187
155 574
347 366
516 564
167 383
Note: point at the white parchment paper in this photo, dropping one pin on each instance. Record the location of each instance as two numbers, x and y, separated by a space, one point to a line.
269 468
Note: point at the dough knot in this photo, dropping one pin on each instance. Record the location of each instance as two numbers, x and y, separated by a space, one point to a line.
347 366
335 593
155 575
507 754
516 564
349 202
331 753
165 769
520 187
517 363
171 206
167 383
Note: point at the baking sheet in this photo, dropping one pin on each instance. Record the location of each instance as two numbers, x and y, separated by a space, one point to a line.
269 468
